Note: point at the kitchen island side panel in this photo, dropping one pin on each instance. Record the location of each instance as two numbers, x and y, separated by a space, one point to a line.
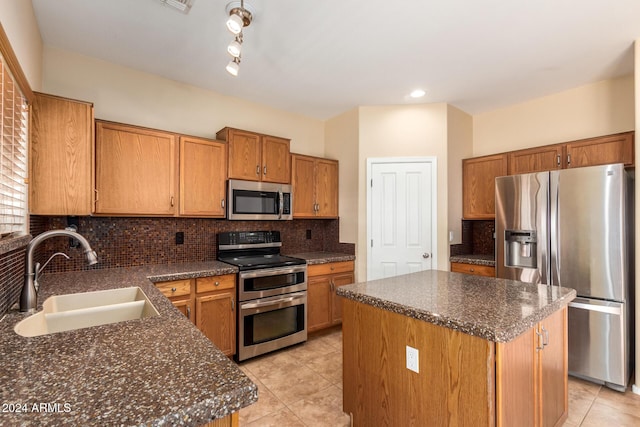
454 386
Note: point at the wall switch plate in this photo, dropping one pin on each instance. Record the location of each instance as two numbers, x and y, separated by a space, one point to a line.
412 359
180 238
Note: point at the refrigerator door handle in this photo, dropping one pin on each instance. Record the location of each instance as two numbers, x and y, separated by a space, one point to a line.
599 308
554 223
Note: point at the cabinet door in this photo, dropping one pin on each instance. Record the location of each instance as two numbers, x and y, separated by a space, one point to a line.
554 403
276 159
539 159
303 182
319 303
61 156
185 306
215 317
135 170
601 151
203 169
478 185
327 188
244 155
337 281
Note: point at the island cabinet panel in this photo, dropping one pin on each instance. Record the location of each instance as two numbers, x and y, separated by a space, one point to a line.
539 159
136 170
232 420
455 385
203 169
531 380
61 156
478 185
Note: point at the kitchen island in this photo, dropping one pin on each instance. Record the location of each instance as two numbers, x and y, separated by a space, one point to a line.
490 351
156 371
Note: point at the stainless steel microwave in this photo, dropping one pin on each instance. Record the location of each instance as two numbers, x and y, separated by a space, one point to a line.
253 200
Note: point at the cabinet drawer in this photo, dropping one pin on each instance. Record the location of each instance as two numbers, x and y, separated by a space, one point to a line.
215 283
175 288
478 270
330 268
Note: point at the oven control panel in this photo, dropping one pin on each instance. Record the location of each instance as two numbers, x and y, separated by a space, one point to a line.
248 237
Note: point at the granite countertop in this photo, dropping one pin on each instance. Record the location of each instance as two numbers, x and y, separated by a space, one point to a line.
323 257
154 371
494 309
488 260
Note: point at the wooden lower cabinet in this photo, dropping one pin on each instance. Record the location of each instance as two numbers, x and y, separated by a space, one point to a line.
324 306
210 303
478 270
462 380
232 420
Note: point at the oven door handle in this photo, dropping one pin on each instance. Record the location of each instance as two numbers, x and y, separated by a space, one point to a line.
272 271
274 301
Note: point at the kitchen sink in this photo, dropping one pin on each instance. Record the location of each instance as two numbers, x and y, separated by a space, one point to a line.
83 310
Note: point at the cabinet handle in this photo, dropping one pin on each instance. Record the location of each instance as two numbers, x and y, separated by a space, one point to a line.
217 283
188 312
171 201
545 338
233 305
96 191
265 170
539 346
568 159
472 270
333 286
257 169
173 289
558 159
222 203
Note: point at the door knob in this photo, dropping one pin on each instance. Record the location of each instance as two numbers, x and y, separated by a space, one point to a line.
426 255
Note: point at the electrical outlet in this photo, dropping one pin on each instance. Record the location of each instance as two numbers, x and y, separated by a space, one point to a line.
180 238
412 359
308 234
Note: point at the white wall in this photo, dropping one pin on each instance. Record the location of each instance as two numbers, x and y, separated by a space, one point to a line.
341 143
19 23
403 131
459 146
600 108
126 95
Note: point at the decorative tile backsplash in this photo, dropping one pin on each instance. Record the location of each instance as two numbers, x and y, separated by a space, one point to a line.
11 278
125 242
477 239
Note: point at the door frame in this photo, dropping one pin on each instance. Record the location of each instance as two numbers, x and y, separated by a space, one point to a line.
434 201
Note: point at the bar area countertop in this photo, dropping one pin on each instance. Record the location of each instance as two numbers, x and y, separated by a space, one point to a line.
494 309
475 259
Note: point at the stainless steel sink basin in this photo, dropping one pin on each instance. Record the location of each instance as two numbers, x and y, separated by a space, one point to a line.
83 310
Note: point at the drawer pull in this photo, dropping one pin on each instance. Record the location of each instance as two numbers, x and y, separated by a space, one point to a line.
217 283
173 289
471 270
188 312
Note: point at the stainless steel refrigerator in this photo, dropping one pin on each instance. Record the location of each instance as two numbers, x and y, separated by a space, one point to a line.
574 228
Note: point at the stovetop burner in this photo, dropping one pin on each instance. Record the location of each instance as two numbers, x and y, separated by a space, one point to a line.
253 250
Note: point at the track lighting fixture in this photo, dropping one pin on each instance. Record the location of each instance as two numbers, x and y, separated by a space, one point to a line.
240 16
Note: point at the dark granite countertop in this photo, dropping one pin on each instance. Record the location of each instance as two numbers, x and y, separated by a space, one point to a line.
157 371
488 260
494 309
323 257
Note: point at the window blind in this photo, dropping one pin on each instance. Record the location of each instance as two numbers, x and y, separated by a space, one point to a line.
13 155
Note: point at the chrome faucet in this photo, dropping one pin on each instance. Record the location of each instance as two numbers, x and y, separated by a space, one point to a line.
29 295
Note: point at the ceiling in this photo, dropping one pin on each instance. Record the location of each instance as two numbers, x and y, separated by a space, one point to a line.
321 58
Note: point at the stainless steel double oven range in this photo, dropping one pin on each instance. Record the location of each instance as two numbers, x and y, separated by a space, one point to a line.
272 292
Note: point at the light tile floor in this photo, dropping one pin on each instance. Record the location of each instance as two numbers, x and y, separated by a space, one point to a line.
302 386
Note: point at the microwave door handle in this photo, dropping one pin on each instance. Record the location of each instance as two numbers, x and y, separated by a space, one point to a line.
281 204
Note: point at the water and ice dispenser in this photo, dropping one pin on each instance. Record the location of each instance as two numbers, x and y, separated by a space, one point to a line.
520 248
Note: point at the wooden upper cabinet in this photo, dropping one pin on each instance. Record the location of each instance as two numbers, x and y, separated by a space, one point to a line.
315 187
61 156
136 170
478 185
203 169
257 157
602 150
276 159
537 159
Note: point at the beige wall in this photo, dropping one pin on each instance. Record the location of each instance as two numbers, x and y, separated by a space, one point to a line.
126 95
341 143
459 146
600 108
19 22
636 387
403 131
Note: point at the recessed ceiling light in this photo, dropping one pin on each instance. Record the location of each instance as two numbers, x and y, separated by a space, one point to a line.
418 93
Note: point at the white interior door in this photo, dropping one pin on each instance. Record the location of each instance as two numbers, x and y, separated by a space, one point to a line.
401 217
